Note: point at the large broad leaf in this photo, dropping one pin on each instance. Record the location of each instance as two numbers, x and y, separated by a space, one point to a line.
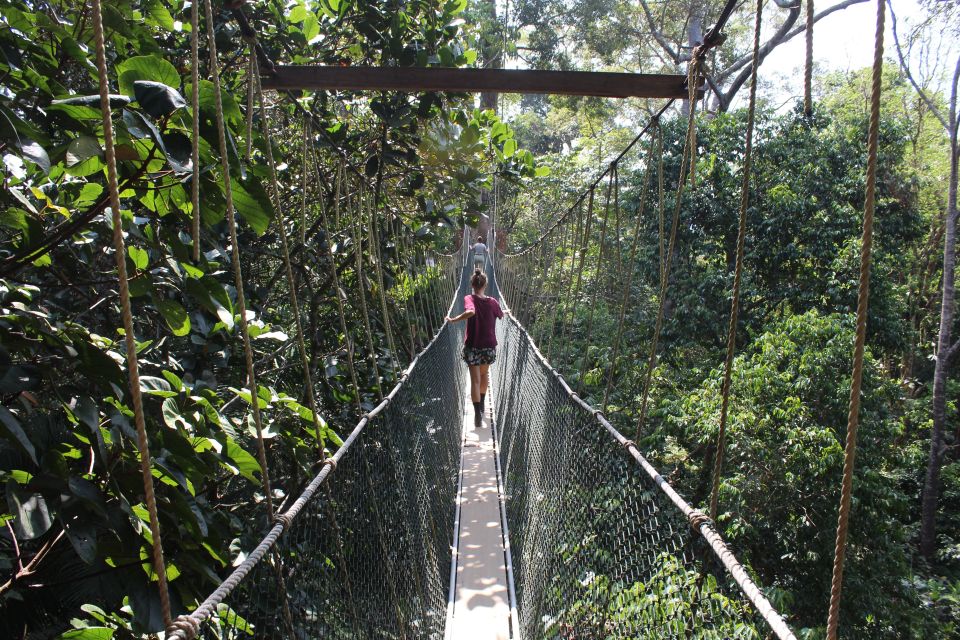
36 154
157 98
32 516
153 68
208 103
245 464
178 150
89 633
82 533
176 147
82 149
175 315
84 108
10 426
252 204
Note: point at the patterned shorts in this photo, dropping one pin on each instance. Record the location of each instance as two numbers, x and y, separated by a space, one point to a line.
474 356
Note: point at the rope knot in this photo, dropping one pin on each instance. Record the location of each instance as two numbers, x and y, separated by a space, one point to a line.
698 519
284 519
184 627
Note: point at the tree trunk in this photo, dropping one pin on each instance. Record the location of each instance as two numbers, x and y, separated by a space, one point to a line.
931 486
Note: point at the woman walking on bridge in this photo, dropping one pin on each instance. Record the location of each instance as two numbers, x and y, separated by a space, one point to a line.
480 344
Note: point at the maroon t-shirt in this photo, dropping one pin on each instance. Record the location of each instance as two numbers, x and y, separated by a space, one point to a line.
481 327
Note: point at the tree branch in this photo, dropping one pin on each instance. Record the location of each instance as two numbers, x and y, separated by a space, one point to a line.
784 37
658 35
904 65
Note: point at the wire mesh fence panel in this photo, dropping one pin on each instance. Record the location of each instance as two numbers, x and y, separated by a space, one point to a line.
599 550
369 556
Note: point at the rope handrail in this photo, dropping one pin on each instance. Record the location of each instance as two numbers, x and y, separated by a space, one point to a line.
187 626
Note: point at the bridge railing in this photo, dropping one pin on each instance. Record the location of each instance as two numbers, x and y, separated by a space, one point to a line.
602 545
365 550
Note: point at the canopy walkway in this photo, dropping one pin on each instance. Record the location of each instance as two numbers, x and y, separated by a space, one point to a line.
595 543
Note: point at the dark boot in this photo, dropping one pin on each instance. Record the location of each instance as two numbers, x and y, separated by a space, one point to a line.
477 414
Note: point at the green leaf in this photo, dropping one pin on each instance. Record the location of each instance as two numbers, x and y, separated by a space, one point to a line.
246 464
82 148
139 256
231 110
152 68
33 152
82 534
11 426
176 316
84 108
88 633
252 204
33 518
159 15
157 98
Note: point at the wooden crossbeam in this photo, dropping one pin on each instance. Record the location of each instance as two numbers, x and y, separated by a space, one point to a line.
414 79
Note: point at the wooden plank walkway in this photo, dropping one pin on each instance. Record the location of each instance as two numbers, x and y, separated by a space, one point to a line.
480 594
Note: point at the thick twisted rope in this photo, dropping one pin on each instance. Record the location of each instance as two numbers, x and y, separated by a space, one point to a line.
738 269
808 63
195 105
685 159
863 299
571 301
288 268
628 282
599 280
362 292
235 257
133 365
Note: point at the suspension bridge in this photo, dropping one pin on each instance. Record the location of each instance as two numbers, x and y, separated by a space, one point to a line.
547 522
569 531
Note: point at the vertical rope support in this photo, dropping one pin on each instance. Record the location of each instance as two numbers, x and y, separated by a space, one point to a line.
251 101
305 186
377 256
362 291
572 300
685 159
288 268
808 66
406 300
195 106
566 239
133 365
235 257
661 202
738 269
628 283
335 278
598 279
853 417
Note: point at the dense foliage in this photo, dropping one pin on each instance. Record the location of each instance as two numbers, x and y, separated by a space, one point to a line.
388 179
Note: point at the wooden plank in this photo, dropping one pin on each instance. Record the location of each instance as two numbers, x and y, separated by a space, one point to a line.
414 79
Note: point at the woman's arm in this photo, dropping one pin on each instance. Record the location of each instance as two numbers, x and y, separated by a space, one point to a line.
469 313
